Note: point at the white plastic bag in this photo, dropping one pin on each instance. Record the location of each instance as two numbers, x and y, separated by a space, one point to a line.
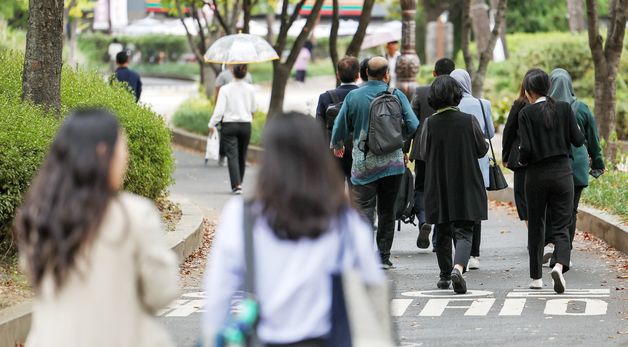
212 151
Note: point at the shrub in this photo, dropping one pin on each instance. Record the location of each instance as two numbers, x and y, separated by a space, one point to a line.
26 132
609 193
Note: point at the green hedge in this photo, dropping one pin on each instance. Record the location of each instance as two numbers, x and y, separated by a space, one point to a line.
194 114
26 132
95 45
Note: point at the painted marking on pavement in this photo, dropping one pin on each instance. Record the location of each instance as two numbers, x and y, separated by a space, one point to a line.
478 307
439 293
592 307
399 306
512 307
590 293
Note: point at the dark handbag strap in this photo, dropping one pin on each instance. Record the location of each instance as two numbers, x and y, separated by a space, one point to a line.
487 132
249 252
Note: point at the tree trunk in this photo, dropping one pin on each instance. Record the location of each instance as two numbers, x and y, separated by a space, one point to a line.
358 38
605 104
576 16
481 24
41 82
208 79
333 39
246 9
281 74
270 21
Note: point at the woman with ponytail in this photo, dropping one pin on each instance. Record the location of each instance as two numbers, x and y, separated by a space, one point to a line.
547 129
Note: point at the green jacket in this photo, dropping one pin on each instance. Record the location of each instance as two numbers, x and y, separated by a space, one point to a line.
581 155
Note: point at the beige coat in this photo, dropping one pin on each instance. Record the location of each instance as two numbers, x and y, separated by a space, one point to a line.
128 274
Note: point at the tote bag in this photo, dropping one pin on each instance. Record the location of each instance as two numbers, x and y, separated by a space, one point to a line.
360 313
497 181
213 146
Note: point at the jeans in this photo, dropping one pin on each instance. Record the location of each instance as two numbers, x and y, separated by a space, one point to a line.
381 194
462 233
236 137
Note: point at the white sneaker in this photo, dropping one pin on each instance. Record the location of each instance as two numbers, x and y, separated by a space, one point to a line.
558 280
474 263
548 251
536 284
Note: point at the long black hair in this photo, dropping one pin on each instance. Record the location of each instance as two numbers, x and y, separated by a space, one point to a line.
538 82
66 202
299 184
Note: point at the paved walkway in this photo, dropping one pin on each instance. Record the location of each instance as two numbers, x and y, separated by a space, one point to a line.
499 309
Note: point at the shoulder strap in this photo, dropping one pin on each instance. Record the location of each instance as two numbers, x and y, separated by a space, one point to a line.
486 127
391 90
249 252
334 96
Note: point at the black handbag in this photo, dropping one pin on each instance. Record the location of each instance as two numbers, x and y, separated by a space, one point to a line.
497 181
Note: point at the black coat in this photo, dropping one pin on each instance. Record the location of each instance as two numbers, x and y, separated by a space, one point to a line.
324 100
451 143
510 138
132 78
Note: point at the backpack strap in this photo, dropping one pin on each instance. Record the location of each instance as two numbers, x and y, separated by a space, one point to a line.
334 96
391 90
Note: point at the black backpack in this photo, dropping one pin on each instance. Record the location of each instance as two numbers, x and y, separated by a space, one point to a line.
404 204
332 110
386 125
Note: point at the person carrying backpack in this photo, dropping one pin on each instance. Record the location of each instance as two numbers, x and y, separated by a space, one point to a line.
380 119
330 102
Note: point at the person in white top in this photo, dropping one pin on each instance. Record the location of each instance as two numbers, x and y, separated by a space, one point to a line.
300 213
234 111
392 53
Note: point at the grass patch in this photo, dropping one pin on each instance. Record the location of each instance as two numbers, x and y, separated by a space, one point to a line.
609 193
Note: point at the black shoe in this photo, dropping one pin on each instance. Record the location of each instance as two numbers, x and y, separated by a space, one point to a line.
460 286
443 283
387 264
423 240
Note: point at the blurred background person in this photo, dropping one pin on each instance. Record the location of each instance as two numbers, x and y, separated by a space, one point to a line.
364 65
392 53
547 129
299 222
454 188
128 76
303 60
234 112
96 256
584 159
481 110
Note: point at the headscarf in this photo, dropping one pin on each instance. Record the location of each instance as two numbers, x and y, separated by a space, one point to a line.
464 80
561 87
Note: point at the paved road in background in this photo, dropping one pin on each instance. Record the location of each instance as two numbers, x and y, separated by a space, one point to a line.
499 310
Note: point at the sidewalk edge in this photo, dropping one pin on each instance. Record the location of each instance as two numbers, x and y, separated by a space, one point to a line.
599 223
15 321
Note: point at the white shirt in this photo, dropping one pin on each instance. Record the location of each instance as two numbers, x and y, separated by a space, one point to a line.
541 99
292 278
236 103
392 66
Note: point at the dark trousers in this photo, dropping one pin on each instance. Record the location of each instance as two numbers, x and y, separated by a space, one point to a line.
381 194
549 186
477 236
305 343
462 233
300 75
419 206
236 137
549 236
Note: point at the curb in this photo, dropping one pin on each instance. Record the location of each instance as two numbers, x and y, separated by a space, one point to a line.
15 321
198 143
599 223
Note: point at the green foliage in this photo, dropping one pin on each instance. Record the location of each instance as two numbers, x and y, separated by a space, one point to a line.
11 38
194 114
26 132
609 192
95 45
536 16
15 12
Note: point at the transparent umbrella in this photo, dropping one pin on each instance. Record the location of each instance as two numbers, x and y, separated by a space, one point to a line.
240 49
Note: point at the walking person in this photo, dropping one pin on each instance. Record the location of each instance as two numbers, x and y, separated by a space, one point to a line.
299 222
392 54
453 179
303 59
128 76
376 178
547 129
95 255
348 74
510 151
422 110
364 65
561 89
234 111
481 110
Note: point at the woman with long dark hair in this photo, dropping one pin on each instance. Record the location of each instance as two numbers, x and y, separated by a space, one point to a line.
510 150
547 129
300 212
95 255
